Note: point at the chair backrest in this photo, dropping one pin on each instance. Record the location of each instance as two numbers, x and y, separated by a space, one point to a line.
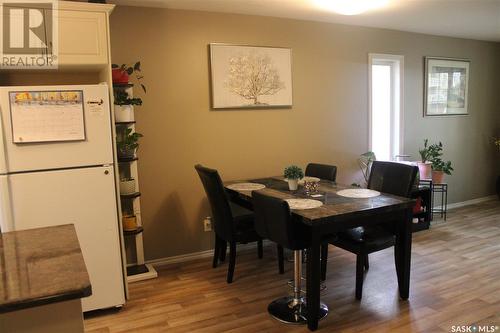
322 171
221 211
274 221
393 178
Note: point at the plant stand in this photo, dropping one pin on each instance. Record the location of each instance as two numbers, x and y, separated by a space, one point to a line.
439 191
442 191
131 203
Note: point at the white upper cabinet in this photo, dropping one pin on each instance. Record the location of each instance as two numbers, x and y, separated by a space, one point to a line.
82 28
83 33
82 38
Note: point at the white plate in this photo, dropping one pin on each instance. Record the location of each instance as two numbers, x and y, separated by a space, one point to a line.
303 203
307 178
246 186
360 193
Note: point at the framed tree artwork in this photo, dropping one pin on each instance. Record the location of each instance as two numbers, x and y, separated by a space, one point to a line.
250 76
446 86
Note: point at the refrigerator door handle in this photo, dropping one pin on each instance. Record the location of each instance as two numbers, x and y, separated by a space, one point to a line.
6 220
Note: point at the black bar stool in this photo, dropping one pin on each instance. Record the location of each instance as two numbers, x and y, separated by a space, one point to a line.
274 221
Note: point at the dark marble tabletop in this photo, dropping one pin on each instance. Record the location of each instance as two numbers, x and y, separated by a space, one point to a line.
334 205
41 266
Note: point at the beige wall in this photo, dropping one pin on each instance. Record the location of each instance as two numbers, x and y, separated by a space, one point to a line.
328 122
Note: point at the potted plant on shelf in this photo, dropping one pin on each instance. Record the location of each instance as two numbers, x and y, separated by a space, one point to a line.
365 162
124 110
121 73
292 174
128 143
424 166
127 186
129 222
439 168
428 154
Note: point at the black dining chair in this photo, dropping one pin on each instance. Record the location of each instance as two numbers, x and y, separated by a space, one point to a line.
232 223
274 221
322 171
387 177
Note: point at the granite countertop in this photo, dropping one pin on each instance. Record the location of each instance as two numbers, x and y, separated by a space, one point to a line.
41 266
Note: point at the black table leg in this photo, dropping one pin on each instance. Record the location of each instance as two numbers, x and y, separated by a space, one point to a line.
313 280
403 253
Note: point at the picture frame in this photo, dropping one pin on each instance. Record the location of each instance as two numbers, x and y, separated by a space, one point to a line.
446 90
250 77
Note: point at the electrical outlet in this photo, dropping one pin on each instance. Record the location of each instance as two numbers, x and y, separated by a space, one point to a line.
207 224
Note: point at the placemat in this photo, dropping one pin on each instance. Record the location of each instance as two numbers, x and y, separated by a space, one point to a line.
246 186
360 193
303 203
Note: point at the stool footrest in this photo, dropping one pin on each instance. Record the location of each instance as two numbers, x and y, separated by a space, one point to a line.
289 310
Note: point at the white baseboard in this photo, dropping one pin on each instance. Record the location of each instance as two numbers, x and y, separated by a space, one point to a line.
469 202
209 253
198 255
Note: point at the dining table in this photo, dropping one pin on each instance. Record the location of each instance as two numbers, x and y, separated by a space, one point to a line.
338 213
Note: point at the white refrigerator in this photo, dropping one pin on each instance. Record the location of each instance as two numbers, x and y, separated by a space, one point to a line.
56 167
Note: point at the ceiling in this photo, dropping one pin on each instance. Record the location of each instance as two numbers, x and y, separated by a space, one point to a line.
474 19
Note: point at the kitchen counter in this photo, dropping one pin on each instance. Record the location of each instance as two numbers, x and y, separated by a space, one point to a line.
38 269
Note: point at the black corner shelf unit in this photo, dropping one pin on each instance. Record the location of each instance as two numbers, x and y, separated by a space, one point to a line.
125 123
127 159
122 85
133 232
131 195
137 269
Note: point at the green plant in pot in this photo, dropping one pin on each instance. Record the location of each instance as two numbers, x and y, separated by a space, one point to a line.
121 73
427 154
124 106
292 174
365 161
123 98
439 169
127 144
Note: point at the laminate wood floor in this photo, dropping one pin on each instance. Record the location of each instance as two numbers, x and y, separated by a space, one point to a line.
455 280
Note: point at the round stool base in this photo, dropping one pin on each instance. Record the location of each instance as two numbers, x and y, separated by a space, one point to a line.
288 311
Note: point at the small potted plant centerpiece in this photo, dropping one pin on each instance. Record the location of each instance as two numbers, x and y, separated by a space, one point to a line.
292 174
127 186
128 143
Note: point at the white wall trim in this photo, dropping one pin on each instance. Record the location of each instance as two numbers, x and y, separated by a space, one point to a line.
200 255
469 202
400 60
